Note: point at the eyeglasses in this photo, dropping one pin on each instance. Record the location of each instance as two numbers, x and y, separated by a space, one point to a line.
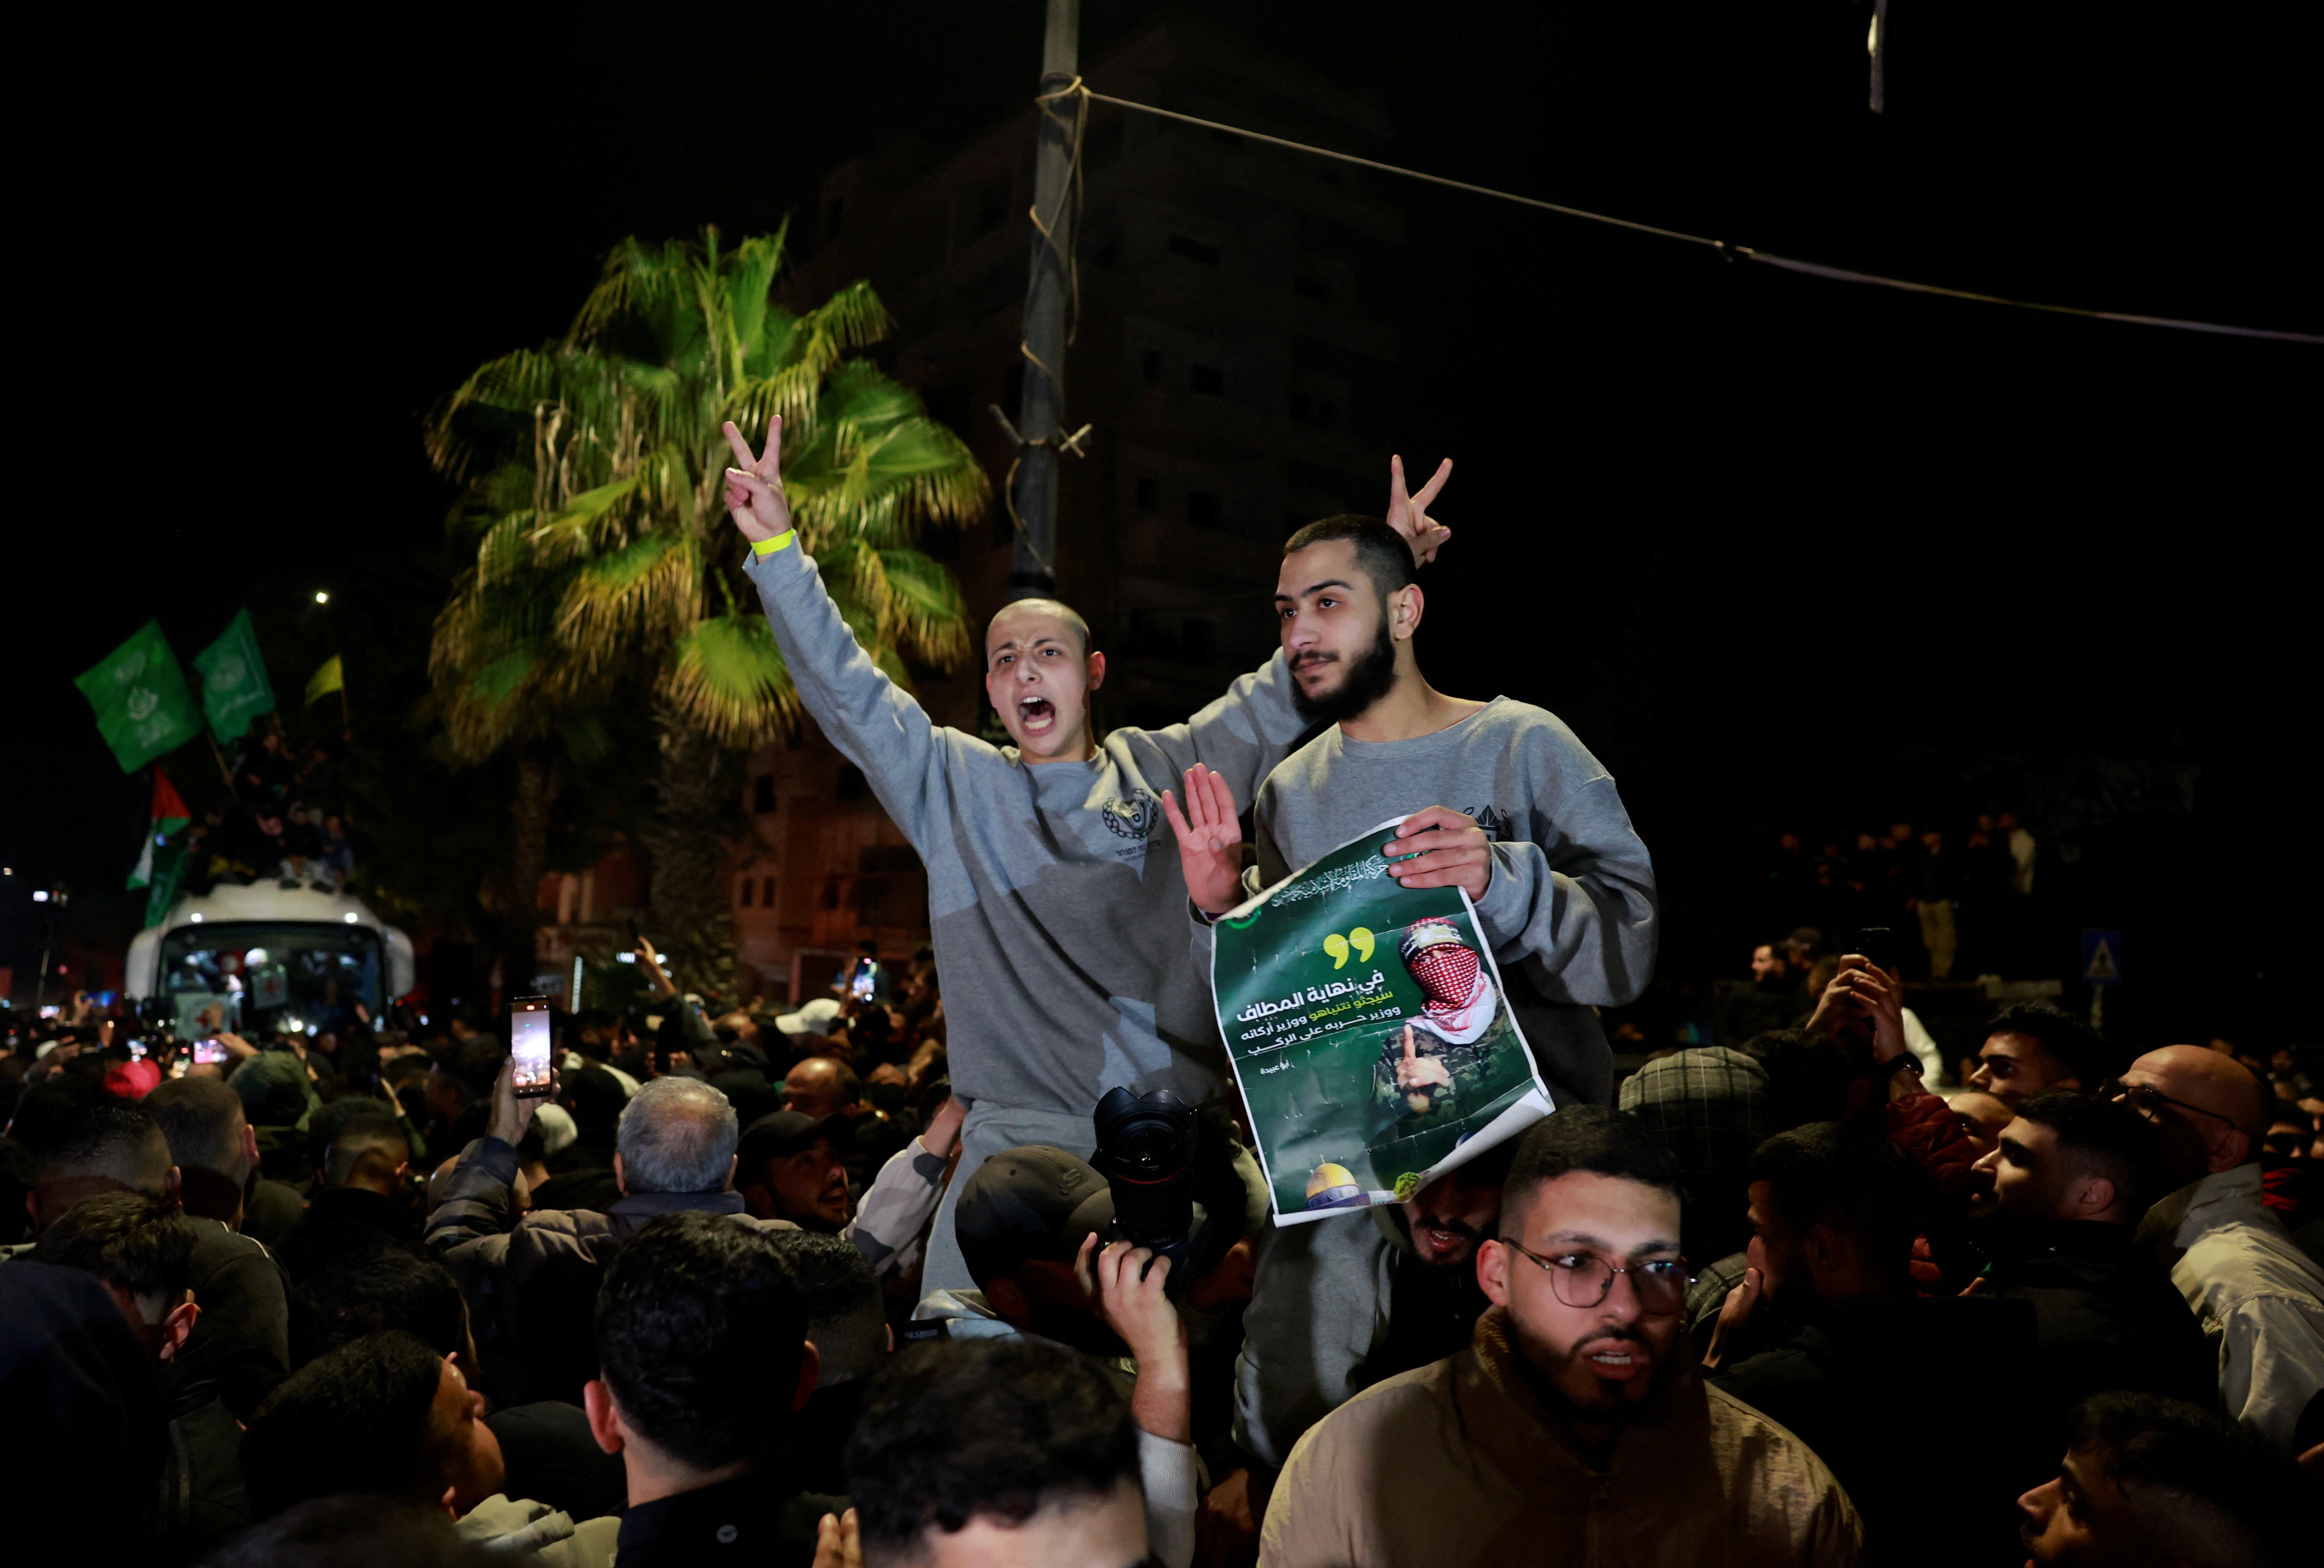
1585 1279
2149 1100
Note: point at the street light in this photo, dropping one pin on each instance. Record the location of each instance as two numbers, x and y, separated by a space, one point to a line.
321 597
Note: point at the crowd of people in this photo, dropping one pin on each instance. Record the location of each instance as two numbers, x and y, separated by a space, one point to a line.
284 820
1962 896
847 1284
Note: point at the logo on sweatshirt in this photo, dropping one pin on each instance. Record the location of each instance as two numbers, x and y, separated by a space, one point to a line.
1491 819
1132 818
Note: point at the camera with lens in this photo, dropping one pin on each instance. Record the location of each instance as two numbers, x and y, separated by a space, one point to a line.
1146 1150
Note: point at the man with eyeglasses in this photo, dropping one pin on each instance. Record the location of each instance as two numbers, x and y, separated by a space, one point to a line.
2260 1297
1575 1426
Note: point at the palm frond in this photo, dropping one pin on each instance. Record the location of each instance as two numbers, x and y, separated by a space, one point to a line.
728 679
638 597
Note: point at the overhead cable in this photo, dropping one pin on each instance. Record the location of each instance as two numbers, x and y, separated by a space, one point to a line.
1724 247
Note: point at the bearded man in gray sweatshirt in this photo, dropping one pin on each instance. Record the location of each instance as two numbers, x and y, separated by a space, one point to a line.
1057 914
1563 889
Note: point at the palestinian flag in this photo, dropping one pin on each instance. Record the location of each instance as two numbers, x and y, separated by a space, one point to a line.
169 815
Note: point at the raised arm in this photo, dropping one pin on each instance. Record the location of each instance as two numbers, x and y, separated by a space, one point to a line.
872 721
1247 731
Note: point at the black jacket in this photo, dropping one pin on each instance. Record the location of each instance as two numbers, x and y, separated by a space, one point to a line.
2106 1314
241 1340
1870 1386
744 1523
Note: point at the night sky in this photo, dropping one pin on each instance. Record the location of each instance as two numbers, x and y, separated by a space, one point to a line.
1783 551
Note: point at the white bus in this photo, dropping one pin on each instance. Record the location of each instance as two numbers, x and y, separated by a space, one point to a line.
293 959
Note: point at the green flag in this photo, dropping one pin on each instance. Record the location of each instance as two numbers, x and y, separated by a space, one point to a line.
234 680
169 868
142 707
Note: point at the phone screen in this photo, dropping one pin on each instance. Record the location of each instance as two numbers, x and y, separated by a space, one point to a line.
529 1044
209 1053
865 981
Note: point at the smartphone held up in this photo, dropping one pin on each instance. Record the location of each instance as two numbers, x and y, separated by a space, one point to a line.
528 1043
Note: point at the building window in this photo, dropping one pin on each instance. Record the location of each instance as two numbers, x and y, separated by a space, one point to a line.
1308 288
762 794
1195 250
1153 365
748 886
767 893
1203 509
1149 495
1208 380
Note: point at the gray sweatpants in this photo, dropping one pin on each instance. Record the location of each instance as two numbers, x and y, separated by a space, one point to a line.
990 1129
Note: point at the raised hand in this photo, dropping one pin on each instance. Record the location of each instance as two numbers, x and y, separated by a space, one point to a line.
1409 514
754 491
1419 1077
1209 840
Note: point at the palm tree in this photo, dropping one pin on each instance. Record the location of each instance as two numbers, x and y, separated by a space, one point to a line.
590 474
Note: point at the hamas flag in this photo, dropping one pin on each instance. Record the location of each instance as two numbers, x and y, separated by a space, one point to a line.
234 680
161 861
142 707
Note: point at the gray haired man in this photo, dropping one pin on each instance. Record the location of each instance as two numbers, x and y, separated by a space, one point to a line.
531 1278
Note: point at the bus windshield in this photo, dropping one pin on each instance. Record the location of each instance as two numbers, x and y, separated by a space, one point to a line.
291 976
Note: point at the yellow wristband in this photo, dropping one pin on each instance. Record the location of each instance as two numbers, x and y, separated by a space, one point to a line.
782 541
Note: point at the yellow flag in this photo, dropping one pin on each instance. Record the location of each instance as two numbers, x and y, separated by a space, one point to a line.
326 680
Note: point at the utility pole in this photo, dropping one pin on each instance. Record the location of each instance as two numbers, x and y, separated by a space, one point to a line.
1041 410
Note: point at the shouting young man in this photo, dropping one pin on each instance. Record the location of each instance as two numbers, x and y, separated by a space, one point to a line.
1058 924
1564 889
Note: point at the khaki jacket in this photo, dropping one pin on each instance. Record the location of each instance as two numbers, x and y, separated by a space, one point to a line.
1460 1463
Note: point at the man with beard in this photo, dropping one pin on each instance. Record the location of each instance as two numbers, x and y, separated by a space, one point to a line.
1341 1304
1564 889
1056 921
1575 1427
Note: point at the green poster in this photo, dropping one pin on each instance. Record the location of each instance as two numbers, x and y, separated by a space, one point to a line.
235 688
142 707
1369 1032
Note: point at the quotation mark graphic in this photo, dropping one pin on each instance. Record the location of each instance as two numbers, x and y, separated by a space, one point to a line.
1337 946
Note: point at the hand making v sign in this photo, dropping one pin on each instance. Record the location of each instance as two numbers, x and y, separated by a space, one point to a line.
754 491
1409 514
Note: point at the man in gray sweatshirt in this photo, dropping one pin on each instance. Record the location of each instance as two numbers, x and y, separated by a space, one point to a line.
1057 909
1563 890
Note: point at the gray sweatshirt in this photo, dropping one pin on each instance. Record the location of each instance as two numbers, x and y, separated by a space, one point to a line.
1054 897
1570 907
